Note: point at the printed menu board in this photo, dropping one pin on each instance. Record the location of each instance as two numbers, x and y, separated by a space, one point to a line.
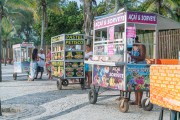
74 69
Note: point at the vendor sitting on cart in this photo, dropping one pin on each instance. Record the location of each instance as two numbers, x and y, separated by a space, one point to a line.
138 55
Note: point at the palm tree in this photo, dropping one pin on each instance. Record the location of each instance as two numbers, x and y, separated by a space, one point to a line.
168 8
39 9
7 32
1 15
88 15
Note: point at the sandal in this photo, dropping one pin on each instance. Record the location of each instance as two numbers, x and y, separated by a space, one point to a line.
88 87
133 103
119 98
140 106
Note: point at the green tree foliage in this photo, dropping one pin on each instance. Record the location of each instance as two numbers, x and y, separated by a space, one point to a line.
167 8
70 21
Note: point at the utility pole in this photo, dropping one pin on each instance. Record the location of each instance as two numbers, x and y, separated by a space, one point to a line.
1 14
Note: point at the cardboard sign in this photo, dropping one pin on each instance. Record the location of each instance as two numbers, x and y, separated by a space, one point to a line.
165 86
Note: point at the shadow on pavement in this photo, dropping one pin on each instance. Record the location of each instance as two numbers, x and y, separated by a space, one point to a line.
42 97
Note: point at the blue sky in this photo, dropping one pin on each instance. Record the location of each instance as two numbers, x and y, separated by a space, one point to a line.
98 1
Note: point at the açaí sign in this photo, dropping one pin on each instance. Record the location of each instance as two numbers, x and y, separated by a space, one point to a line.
109 21
140 17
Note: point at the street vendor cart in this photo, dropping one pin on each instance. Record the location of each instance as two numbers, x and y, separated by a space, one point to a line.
112 66
68 58
21 57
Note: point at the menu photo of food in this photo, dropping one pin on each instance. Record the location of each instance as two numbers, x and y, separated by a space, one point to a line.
69 69
79 73
75 65
68 55
74 55
74 69
69 74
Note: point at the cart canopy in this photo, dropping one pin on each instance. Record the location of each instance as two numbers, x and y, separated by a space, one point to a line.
141 20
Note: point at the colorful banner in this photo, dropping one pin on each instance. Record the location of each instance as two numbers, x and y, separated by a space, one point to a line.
137 77
140 17
165 86
109 76
109 21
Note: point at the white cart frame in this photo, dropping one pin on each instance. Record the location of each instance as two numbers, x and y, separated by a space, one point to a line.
141 21
21 58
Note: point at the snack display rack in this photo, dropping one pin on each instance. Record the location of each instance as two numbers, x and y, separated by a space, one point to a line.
21 57
68 58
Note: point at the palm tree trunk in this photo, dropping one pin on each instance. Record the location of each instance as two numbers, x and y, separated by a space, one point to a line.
88 17
42 26
1 11
5 56
117 5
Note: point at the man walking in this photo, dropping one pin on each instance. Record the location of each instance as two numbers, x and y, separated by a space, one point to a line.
41 63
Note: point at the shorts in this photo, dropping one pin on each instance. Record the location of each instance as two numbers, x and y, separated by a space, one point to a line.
40 69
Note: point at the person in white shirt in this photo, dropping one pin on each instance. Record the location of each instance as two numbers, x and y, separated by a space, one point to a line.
88 68
41 63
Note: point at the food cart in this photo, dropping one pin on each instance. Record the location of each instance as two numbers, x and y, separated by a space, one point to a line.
112 66
68 58
21 57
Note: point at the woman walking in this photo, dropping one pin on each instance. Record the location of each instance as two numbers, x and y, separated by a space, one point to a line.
33 65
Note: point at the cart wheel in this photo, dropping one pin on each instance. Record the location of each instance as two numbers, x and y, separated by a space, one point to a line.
123 105
14 76
65 82
82 82
147 105
59 84
92 96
